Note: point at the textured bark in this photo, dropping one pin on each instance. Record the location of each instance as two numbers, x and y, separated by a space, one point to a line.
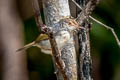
54 11
85 61
84 55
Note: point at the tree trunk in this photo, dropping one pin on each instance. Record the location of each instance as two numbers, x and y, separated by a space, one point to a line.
54 11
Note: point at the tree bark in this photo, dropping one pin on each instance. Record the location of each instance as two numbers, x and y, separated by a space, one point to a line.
85 61
54 11
84 58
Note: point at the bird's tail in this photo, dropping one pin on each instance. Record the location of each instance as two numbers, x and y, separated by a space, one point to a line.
26 46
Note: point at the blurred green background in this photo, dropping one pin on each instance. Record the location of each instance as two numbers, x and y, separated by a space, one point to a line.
104 49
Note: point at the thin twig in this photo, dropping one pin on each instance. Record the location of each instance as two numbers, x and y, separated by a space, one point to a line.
111 29
86 11
56 54
37 14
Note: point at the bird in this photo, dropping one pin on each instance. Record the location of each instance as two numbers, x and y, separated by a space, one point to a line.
62 36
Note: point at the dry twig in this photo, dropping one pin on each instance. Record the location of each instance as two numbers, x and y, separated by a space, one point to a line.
37 14
109 28
86 11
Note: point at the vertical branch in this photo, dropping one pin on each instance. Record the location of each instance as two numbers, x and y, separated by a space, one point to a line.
54 11
85 60
84 55
56 54
37 14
